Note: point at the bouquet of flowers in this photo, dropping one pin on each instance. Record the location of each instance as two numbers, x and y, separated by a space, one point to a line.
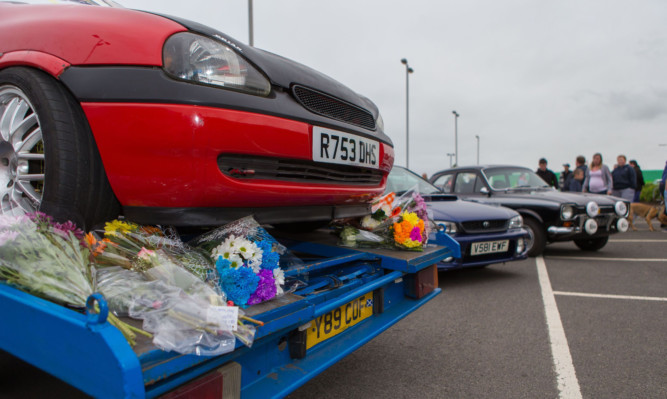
150 274
47 259
395 223
247 259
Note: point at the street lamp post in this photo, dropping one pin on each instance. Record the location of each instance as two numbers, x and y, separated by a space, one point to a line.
450 155
251 38
456 137
477 137
408 71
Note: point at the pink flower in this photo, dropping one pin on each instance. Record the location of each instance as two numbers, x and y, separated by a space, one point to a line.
145 253
416 234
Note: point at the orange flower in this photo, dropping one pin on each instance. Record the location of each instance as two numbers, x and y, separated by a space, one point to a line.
151 230
90 240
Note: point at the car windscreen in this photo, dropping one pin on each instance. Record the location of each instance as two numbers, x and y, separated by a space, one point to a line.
513 178
401 180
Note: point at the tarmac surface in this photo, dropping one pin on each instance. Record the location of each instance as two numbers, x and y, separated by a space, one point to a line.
486 335
569 324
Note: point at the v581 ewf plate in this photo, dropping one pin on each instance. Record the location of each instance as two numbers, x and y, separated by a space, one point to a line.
489 247
332 146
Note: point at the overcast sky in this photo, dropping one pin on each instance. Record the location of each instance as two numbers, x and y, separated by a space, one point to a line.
533 79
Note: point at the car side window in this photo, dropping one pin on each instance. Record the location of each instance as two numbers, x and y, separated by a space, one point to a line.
444 182
467 183
499 182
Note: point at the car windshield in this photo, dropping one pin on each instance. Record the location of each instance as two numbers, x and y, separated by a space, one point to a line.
513 178
401 180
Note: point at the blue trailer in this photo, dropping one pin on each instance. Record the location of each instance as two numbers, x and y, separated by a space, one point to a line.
351 296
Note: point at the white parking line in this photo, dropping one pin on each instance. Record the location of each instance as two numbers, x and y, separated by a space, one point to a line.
606 296
608 259
568 385
629 240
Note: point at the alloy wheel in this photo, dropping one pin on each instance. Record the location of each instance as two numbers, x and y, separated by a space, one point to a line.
21 154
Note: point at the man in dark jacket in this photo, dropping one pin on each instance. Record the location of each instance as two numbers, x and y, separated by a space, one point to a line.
640 180
546 174
624 179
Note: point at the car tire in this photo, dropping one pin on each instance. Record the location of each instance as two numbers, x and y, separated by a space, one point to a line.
592 244
537 237
54 147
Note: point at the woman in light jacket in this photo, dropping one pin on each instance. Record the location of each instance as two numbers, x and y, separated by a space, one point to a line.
598 177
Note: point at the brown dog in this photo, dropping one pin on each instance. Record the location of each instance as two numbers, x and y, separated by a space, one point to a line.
648 212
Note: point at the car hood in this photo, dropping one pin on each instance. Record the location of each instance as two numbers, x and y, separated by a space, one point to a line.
548 196
282 71
446 208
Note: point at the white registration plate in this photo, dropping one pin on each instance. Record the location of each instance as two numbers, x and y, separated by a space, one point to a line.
489 247
332 146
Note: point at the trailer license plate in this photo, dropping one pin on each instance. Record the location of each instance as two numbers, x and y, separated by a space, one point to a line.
489 247
332 146
336 321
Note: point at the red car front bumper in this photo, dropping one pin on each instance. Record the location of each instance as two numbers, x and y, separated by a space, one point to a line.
166 156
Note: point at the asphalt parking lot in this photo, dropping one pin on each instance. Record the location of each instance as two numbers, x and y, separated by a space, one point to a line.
569 324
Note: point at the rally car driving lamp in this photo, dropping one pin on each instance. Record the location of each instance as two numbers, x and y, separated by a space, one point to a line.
592 209
591 226
621 208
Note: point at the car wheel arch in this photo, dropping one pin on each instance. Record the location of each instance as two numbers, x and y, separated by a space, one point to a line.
530 213
48 63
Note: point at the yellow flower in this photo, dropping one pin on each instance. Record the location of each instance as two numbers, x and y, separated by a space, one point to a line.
410 217
117 226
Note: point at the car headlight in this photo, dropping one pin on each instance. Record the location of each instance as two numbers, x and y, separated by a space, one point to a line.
592 209
203 60
380 123
516 222
621 208
566 212
449 227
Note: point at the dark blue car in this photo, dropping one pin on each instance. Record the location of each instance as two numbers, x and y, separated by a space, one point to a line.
487 234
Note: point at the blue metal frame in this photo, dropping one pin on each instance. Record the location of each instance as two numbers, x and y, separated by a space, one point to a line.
93 356
86 352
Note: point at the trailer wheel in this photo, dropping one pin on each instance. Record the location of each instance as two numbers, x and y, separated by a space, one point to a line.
49 161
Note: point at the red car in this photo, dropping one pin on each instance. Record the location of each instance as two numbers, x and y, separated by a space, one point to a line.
106 110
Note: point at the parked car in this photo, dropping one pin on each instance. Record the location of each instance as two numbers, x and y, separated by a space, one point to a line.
548 215
106 110
486 234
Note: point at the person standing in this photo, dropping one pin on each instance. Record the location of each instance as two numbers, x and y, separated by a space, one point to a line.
576 182
598 178
580 164
624 179
565 177
663 189
547 175
640 179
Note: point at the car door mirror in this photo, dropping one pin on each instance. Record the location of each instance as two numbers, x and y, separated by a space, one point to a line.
485 191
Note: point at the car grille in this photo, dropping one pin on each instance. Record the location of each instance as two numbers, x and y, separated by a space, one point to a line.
334 108
296 170
485 226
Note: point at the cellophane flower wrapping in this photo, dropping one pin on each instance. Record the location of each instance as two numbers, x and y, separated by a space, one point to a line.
151 275
395 222
39 257
247 259
49 260
140 248
179 321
